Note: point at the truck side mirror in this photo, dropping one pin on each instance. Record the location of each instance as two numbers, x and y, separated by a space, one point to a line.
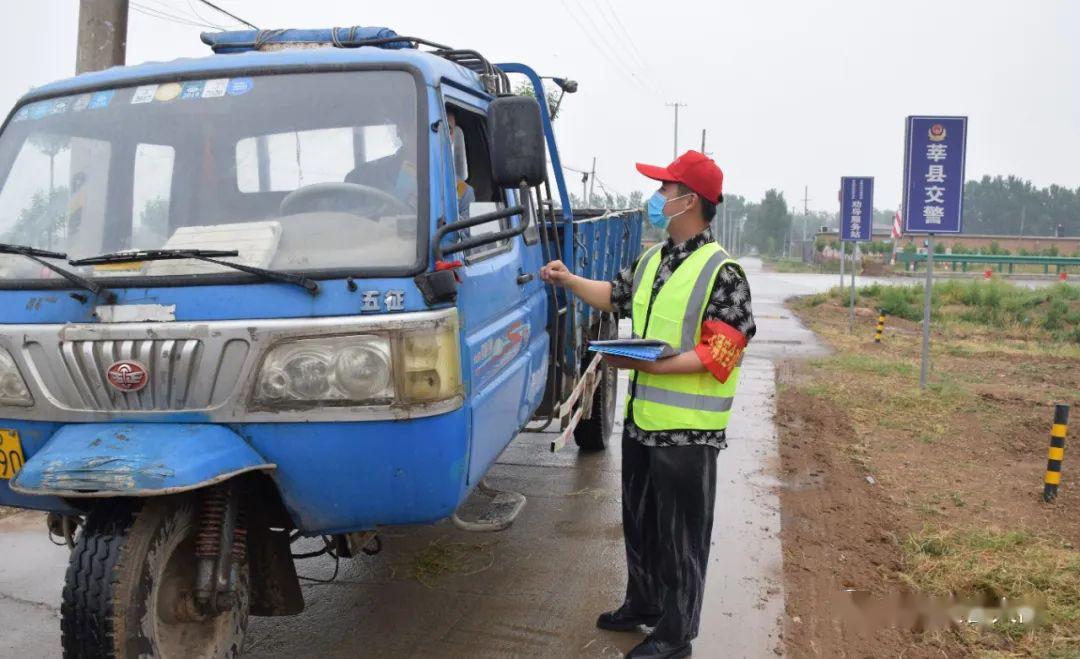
517 142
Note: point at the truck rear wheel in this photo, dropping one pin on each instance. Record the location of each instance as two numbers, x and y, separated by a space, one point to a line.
128 587
591 434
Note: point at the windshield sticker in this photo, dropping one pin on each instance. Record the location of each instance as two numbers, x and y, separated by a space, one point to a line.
60 106
39 110
167 92
215 88
239 86
81 103
192 90
143 94
101 99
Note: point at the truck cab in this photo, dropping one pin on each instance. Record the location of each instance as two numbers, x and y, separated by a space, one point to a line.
289 288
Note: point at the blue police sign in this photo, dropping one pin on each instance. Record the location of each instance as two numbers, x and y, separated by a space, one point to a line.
934 154
856 208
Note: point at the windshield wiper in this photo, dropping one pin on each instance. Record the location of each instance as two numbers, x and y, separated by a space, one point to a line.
208 255
38 256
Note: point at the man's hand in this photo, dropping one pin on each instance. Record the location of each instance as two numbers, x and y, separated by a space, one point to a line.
596 294
686 362
556 273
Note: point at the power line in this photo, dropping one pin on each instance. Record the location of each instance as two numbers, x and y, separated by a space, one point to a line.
603 51
191 7
603 36
188 13
166 16
618 27
230 15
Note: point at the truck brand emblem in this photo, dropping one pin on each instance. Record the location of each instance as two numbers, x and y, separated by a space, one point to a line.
127 375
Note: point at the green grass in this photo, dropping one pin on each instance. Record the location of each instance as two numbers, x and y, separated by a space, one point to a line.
993 564
994 303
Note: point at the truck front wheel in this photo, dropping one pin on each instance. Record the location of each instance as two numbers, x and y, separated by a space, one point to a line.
128 590
591 434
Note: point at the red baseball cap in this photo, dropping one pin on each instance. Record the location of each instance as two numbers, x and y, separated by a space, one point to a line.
693 169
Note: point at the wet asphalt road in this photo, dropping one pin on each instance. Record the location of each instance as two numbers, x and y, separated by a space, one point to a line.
533 590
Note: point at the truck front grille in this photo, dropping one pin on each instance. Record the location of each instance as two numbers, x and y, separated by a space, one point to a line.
184 374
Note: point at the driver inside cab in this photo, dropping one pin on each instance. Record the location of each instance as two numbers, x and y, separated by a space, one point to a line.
395 173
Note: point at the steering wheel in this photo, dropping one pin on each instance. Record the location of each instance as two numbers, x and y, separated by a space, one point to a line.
343 197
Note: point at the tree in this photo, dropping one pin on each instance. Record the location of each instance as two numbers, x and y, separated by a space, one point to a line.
152 229
41 224
768 223
51 145
526 89
1010 206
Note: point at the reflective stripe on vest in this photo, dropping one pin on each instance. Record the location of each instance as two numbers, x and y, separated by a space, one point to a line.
692 401
678 399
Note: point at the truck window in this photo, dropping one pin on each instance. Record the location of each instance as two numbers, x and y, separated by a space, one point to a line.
54 181
151 195
314 172
292 160
485 197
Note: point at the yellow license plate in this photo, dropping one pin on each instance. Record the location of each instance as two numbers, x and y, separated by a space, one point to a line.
11 455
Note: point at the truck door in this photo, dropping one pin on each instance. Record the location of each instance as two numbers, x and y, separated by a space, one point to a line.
503 308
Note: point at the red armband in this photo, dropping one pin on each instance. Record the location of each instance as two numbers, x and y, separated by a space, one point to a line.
721 348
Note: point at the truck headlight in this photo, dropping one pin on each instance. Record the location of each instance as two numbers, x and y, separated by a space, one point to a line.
13 389
344 370
431 364
401 366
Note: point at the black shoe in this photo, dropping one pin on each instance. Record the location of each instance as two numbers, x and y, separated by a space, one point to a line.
654 648
623 619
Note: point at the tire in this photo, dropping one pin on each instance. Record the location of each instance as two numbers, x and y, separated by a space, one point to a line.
591 434
123 587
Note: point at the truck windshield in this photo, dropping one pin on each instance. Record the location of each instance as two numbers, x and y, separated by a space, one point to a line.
299 172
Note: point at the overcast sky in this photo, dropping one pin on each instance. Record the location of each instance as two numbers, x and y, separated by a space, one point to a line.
791 92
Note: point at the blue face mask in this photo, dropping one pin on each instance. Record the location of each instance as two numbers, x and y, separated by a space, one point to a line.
656 210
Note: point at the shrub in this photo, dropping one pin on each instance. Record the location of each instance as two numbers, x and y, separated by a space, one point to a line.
901 301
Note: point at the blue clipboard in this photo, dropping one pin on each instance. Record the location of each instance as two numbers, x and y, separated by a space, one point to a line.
644 349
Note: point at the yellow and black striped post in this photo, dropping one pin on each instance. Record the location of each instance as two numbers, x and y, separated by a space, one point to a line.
1057 452
880 326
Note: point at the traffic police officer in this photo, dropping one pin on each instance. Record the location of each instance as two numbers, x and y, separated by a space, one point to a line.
689 293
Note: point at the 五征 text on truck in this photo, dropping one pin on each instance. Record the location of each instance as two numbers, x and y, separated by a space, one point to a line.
287 290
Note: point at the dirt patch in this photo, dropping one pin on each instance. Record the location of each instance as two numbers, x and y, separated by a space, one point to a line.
887 488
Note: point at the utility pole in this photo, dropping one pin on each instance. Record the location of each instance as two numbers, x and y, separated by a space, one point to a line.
806 214
675 148
592 178
585 190
703 141
102 38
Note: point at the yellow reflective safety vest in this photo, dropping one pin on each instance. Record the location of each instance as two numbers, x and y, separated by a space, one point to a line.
692 401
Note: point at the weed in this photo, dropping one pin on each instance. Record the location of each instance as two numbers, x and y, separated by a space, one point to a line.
1009 564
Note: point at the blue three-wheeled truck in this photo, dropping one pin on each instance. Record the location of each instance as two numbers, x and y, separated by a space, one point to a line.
288 290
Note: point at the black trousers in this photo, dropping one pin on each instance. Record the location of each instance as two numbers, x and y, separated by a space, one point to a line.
668 497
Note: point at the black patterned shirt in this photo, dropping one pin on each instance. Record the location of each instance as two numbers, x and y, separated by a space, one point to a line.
729 303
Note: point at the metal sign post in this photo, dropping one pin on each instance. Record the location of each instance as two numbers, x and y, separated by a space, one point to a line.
856 223
935 150
924 367
851 307
843 255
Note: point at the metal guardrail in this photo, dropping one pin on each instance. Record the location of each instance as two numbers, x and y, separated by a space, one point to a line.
1000 260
